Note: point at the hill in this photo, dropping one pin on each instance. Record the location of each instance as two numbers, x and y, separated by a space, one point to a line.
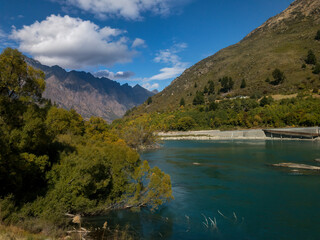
282 42
89 95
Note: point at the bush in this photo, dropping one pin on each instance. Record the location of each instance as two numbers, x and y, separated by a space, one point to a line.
186 123
243 84
317 36
311 58
198 99
278 77
316 69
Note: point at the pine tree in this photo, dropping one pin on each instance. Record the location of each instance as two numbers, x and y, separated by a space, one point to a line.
311 58
317 36
182 102
243 84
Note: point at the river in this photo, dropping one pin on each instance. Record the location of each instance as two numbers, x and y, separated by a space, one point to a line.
229 190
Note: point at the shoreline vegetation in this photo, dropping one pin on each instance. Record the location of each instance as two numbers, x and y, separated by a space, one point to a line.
53 162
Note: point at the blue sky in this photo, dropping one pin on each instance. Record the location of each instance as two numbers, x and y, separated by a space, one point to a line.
149 42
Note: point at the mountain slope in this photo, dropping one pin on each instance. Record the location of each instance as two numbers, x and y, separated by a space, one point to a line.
282 42
88 95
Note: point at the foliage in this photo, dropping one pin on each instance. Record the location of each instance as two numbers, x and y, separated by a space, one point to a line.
18 80
211 87
238 113
243 84
149 100
311 58
316 69
278 77
185 123
317 37
53 162
182 102
266 101
198 99
226 84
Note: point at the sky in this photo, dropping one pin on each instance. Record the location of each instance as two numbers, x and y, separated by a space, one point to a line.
146 42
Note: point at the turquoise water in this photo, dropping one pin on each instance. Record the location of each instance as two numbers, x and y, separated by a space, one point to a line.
234 184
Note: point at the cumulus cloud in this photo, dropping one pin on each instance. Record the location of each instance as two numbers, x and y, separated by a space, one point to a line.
150 87
73 43
169 56
129 9
112 75
138 42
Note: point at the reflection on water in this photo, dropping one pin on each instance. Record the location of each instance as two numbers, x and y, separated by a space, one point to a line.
229 190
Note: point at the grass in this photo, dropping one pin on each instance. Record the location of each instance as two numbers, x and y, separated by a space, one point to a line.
15 233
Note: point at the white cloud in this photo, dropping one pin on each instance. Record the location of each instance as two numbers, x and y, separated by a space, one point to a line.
73 43
167 73
169 56
138 42
150 86
129 9
112 75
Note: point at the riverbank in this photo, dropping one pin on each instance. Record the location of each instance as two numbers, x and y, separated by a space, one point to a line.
251 134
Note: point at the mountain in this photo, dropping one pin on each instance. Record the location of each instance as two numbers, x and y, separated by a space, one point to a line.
281 42
88 95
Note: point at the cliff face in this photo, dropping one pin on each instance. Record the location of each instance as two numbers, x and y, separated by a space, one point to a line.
88 95
281 42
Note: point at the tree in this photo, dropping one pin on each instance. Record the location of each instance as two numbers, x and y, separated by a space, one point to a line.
205 90
182 102
17 79
198 99
195 85
278 77
243 84
311 58
149 100
317 36
316 69
211 87
186 123
226 84
266 101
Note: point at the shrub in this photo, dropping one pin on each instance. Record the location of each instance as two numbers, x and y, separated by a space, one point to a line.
278 77
198 99
186 123
311 58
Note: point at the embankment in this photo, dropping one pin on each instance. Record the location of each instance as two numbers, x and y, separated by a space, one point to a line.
233 135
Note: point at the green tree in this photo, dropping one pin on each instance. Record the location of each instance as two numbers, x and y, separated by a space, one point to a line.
278 77
211 87
198 99
186 123
316 69
311 58
226 84
205 90
317 36
243 84
182 102
195 85
149 100
17 79
266 101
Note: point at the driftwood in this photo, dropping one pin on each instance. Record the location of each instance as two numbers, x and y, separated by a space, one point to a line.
297 166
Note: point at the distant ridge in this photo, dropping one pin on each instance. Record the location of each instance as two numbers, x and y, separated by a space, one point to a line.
89 95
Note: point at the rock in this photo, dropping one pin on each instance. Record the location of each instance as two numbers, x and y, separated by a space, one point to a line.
297 166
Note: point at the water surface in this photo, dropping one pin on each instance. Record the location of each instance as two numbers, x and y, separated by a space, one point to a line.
234 184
